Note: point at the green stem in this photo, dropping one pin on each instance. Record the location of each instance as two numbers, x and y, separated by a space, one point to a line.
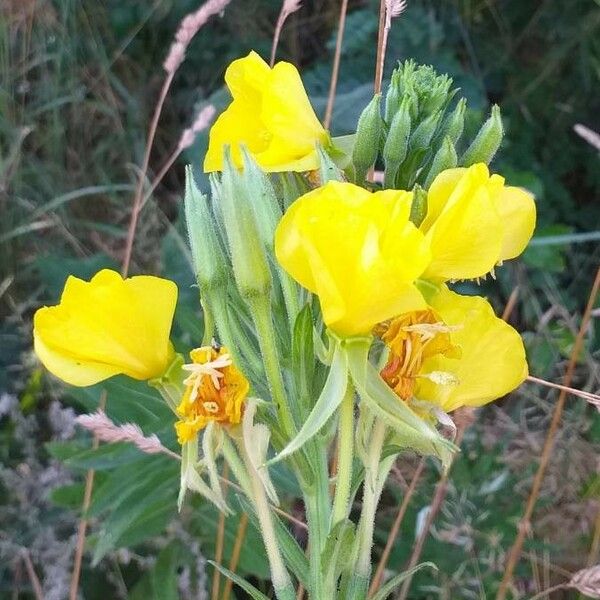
260 308
279 574
345 455
318 512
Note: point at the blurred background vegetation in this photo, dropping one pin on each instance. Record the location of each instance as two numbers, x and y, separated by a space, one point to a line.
79 81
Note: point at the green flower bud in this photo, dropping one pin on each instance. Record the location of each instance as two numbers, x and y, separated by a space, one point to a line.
393 97
455 122
418 209
488 140
445 158
368 135
262 200
210 264
423 134
250 264
438 95
396 144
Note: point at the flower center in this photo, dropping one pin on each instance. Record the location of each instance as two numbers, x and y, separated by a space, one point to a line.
412 338
210 369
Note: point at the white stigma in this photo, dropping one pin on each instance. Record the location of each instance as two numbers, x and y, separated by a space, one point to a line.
208 369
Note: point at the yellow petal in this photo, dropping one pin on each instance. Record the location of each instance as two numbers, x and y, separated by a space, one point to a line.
492 362
516 208
270 115
107 326
466 238
357 251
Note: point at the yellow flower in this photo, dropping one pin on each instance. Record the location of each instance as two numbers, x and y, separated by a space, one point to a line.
474 222
215 391
357 251
457 353
270 115
107 326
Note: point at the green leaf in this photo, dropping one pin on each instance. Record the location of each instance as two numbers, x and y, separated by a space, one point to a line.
105 457
327 403
303 356
247 587
337 551
394 582
161 580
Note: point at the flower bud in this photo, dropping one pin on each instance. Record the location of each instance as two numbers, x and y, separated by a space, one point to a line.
445 158
418 208
488 140
423 134
250 265
210 265
393 97
454 124
438 95
396 143
368 136
262 200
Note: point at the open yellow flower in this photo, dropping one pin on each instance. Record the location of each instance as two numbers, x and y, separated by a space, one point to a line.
456 353
107 326
474 222
357 251
270 115
215 391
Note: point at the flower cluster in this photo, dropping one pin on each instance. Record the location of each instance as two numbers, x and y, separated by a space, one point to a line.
396 342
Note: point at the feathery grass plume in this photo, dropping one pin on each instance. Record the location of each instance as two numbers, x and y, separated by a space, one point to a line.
393 9
202 121
587 581
107 431
188 28
289 7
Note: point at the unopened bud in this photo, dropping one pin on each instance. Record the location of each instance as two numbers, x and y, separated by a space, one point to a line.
393 97
418 208
423 134
368 136
210 264
396 144
488 140
445 158
438 96
250 264
455 122
262 200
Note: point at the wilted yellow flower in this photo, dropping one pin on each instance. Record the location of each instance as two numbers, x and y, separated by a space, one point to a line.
474 222
357 251
215 391
270 115
456 353
107 326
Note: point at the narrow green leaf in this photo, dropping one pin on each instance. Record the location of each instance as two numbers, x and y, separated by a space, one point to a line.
394 582
303 356
327 403
337 552
247 587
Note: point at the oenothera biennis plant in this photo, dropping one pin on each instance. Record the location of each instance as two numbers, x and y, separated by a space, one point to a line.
329 326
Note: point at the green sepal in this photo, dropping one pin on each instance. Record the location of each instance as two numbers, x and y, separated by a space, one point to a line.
418 208
340 150
396 143
170 383
414 432
329 170
453 125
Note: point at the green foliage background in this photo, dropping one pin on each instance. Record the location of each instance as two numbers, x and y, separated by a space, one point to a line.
79 82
